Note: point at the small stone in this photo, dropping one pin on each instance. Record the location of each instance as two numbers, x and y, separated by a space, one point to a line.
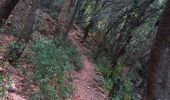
11 16
1 69
13 88
1 57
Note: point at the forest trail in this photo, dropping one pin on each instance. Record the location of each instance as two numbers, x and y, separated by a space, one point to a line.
85 86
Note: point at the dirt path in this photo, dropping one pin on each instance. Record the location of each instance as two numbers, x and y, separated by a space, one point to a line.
85 86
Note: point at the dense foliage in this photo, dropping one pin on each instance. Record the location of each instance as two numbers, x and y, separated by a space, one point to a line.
53 62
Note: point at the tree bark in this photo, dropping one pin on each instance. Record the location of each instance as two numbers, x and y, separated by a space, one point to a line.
68 27
6 8
92 20
63 15
128 66
124 39
90 25
16 50
158 77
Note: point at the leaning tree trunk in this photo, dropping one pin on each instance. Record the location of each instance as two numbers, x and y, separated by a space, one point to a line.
124 39
158 78
6 8
16 50
128 66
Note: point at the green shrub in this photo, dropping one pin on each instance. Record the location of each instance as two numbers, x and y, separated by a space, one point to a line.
124 84
103 68
52 61
111 77
9 32
2 30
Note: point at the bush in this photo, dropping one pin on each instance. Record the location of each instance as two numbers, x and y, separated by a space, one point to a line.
110 77
103 68
123 84
53 61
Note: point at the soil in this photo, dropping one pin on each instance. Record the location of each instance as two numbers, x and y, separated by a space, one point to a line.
85 86
15 92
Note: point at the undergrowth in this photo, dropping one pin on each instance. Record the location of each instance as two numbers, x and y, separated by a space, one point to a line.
9 32
105 71
53 61
112 77
5 83
5 78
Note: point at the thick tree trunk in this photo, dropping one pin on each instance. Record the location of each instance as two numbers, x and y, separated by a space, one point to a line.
16 51
18 17
6 8
158 78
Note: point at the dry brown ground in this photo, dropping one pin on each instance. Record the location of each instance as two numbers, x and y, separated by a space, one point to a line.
85 86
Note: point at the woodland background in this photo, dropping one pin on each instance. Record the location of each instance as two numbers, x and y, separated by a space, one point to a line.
128 41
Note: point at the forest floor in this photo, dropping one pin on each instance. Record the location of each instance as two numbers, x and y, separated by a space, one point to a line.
13 93
85 86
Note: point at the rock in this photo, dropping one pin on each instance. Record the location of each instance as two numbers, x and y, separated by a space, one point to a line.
13 88
18 17
1 70
1 57
88 87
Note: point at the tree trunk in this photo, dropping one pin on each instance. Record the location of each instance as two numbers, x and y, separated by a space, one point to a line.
92 20
158 80
68 27
82 10
63 15
90 25
6 8
16 50
124 39
130 62
64 11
